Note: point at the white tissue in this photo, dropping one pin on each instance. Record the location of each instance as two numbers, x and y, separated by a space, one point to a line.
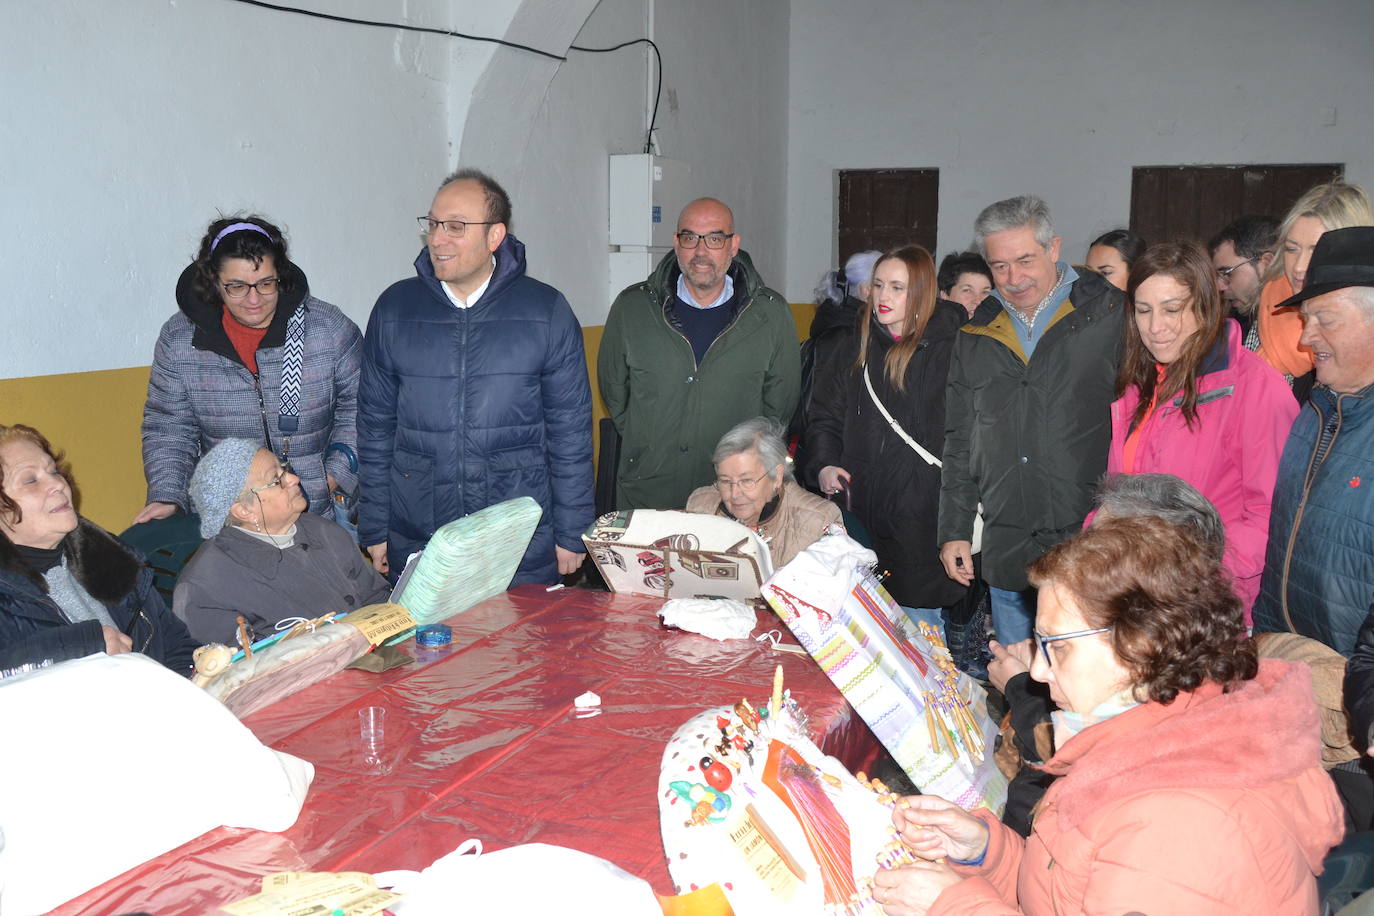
718 618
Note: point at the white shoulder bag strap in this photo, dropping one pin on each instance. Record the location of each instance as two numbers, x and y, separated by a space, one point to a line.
927 456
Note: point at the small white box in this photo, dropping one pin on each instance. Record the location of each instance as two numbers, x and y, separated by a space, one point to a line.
647 193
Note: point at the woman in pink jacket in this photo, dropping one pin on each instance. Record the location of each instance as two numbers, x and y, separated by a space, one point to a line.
1193 402
1189 772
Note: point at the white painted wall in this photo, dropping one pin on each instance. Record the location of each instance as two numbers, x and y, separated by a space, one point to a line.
553 159
724 113
1062 98
125 127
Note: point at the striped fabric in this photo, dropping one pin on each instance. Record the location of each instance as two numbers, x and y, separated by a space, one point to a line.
289 418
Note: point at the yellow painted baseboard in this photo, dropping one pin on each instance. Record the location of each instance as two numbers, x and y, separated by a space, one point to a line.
802 313
95 416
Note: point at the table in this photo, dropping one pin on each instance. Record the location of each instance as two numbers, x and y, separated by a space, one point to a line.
482 741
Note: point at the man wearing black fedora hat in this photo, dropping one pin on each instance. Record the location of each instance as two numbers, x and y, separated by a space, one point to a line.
1319 566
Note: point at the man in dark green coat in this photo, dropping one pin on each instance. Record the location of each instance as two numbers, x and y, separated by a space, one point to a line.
1027 409
698 347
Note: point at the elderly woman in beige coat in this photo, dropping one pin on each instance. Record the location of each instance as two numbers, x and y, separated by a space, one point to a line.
754 486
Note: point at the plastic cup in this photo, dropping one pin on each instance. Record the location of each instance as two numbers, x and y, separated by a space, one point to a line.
372 726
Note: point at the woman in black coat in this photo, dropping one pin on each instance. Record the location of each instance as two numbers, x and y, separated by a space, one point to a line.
904 349
68 588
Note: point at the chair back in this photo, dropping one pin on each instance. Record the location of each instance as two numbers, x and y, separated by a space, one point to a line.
168 543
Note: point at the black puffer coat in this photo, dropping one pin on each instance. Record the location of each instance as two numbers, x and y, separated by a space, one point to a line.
1028 438
895 492
33 628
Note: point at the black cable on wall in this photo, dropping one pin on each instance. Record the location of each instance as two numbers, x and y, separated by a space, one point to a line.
448 33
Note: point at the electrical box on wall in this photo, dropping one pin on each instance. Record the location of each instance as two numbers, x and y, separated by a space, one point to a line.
647 193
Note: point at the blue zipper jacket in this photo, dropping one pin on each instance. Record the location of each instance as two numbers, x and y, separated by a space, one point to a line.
1319 564
460 409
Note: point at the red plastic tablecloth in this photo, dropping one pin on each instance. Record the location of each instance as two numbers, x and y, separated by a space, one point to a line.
482 741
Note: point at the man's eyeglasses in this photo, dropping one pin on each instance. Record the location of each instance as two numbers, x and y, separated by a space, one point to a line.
1044 641
1224 273
748 486
452 227
237 289
714 240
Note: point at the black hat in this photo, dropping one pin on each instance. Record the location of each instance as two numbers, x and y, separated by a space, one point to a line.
1342 257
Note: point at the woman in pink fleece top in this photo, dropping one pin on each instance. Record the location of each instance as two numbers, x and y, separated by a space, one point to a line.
1193 402
1190 776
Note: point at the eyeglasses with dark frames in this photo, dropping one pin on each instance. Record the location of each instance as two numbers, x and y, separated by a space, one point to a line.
237 289
714 240
1044 641
453 228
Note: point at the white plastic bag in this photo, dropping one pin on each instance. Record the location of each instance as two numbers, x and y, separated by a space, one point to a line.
534 879
171 753
718 618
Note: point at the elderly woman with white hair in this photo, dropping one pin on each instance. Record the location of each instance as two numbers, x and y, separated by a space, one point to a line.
843 293
267 559
754 486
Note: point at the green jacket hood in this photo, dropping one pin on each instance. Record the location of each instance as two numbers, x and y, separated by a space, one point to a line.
663 281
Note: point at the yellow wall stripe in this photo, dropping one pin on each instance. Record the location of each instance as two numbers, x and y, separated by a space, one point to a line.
95 416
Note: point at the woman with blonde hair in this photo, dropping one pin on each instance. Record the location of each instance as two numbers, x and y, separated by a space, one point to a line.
877 425
1336 205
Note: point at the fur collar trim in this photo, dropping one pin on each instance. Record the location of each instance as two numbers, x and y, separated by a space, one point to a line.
104 565
1263 731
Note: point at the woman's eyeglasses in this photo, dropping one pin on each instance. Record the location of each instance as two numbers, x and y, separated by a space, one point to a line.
237 289
282 471
748 486
1044 641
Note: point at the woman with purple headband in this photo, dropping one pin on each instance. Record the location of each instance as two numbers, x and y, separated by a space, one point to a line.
252 355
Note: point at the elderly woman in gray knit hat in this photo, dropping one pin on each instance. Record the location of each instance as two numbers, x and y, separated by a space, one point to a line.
266 559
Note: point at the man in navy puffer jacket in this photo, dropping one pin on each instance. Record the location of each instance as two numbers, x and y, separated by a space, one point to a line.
1319 568
474 390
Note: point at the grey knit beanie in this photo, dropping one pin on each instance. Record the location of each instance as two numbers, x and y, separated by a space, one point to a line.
218 480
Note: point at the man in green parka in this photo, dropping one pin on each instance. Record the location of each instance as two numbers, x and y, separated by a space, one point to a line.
697 347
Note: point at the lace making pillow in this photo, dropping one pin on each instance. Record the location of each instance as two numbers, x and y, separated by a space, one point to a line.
468 561
670 554
754 808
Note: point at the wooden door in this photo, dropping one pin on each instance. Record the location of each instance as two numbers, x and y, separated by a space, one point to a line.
1195 202
883 209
